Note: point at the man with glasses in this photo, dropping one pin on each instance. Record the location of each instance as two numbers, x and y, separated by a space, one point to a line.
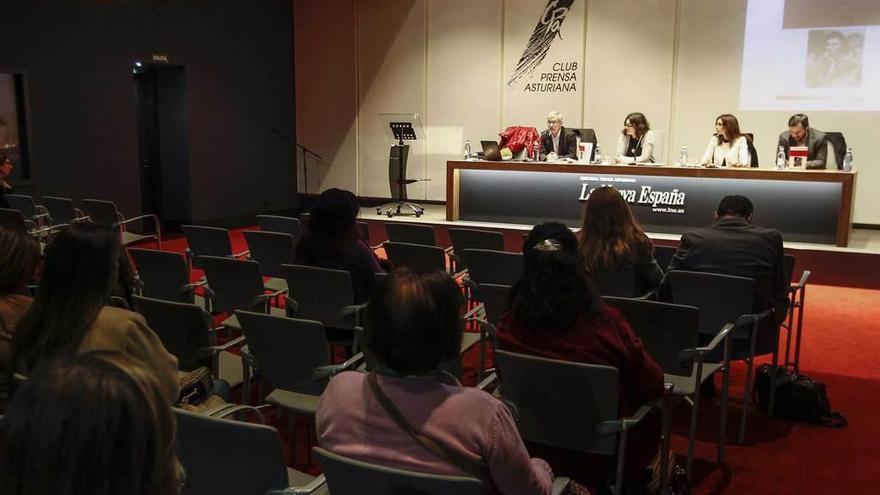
557 142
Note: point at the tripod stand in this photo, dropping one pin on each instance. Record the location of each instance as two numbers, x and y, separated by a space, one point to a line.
397 180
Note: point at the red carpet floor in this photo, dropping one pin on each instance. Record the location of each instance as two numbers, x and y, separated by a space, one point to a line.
841 347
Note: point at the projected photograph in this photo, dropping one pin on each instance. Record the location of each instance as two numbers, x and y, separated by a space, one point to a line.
834 58
8 114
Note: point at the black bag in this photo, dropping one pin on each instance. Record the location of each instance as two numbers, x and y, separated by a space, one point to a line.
798 397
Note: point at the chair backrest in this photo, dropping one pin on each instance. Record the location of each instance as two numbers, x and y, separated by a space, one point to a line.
415 255
363 229
163 273
463 239
271 250
12 220
659 142
61 210
753 152
24 204
663 255
494 298
236 283
353 477
287 349
206 241
321 294
788 264
560 402
838 148
101 212
722 299
411 233
276 223
665 329
183 328
486 266
588 135
620 283
223 457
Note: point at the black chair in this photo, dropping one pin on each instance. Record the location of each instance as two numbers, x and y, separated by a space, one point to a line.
794 319
236 284
14 220
838 146
62 210
207 241
223 457
164 275
415 255
753 153
493 266
619 283
411 233
588 136
494 299
28 208
271 250
324 295
663 255
283 225
463 239
106 213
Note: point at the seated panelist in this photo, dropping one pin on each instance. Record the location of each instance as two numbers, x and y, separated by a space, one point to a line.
728 147
800 133
636 142
557 141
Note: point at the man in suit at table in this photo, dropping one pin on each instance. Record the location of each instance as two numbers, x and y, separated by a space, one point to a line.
800 133
557 141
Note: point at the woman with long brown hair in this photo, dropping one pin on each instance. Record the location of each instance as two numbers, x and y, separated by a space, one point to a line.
610 239
728 147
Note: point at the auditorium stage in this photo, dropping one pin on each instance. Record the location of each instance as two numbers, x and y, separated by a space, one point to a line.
857 265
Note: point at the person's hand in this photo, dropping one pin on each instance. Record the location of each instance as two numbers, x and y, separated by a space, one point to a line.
552 157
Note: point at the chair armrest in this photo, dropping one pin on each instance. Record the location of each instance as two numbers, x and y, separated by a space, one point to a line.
489 380
307 489
803 281
241 254
702 351
752 318
215 349
228 410
353 309
324 372
560 484
473 312
618 425
291 305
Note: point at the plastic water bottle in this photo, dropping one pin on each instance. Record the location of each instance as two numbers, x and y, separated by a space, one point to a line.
683 156
847 160
781 162
467 149
598 158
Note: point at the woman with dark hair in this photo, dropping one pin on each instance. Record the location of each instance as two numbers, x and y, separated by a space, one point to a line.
611 239
413 325
728 147
19 259
70 313
99 424
330 240
636 141
554 312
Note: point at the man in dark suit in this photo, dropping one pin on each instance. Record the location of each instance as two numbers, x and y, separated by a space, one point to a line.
800 133
557 141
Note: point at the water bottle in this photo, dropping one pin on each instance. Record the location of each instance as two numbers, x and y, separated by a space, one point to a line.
847 160
467 149
781 162
683 156
598 158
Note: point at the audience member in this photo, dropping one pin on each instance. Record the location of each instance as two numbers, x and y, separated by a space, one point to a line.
98 424
70 312
19 259
330 240
556 313
611 239
413 326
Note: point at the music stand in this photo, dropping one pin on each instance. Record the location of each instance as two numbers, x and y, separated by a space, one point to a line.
400 128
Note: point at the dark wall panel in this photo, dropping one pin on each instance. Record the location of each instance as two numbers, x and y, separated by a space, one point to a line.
238 56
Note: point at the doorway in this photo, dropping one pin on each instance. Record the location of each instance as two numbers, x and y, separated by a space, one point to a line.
163 143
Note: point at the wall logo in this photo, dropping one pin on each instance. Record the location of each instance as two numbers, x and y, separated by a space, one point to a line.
671 202
546 31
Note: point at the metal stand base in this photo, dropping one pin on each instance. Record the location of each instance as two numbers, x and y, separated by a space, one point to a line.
399 208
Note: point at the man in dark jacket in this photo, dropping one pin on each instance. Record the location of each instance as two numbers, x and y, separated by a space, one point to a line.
557 141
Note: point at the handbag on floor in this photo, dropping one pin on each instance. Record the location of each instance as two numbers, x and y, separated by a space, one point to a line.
798 396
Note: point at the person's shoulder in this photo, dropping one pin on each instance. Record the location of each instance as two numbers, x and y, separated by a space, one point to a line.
111 315
784 135
817 133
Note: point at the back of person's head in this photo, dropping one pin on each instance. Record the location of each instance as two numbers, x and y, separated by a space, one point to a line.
77 278
97 424
735 206
413 321
331 226
610 235
553 291
19 259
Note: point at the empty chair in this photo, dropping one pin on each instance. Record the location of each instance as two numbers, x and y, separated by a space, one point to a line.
493 267
236 284
207 241
223 457
724 299
14 220
164 275
28 207
185 331
474 239
323 295
61 210
283 225
411 233
793 322
568 405
415 255
271 250
106 213
670 334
